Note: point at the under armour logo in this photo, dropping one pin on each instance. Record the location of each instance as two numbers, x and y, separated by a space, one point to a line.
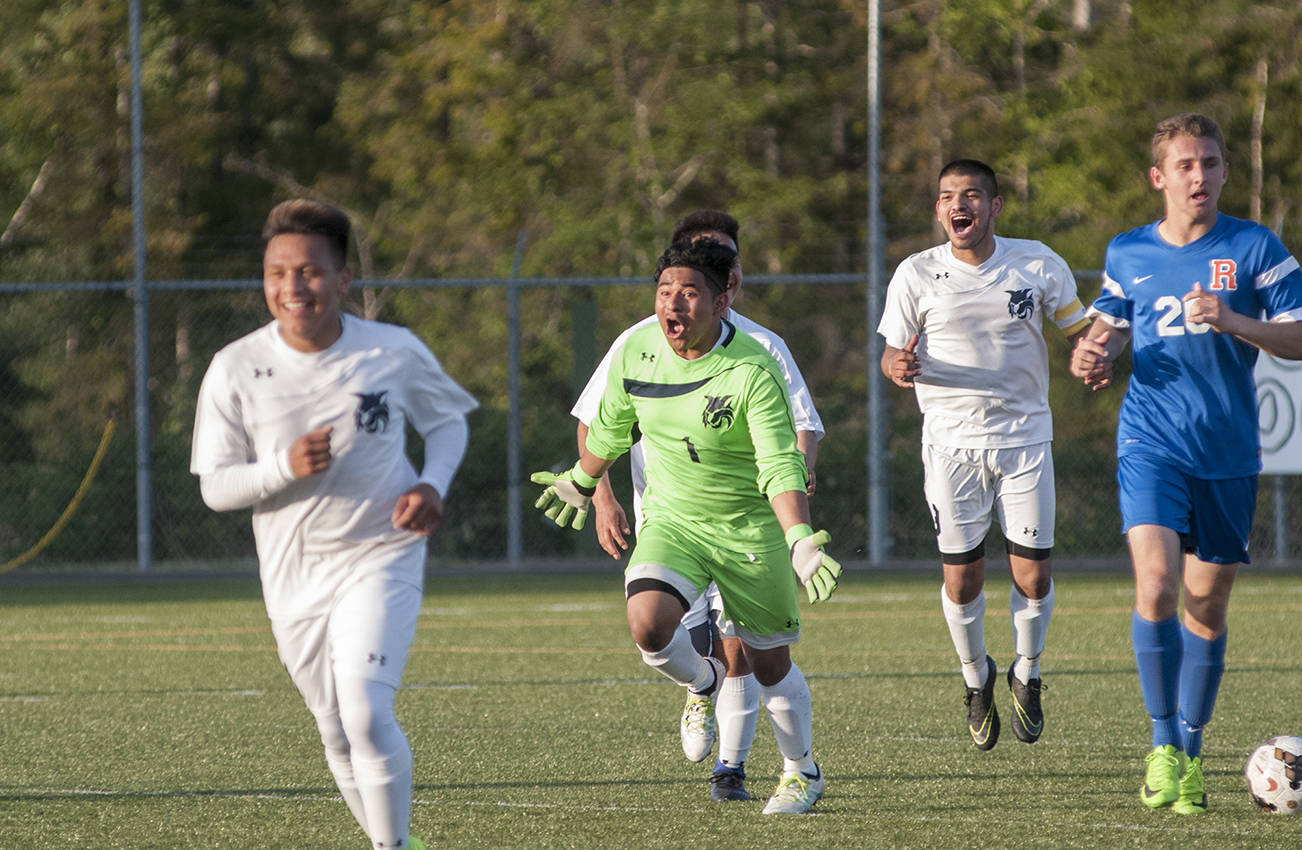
1031 532
262 373
375 659
940 275
646 356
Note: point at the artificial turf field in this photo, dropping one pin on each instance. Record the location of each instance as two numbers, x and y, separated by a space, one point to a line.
154 714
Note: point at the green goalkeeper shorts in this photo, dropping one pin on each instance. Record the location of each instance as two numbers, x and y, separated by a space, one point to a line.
758 587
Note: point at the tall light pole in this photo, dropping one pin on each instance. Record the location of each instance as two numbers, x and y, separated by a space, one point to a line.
140 295
877 482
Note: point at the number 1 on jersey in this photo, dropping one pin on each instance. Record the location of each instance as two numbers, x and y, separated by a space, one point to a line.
691 450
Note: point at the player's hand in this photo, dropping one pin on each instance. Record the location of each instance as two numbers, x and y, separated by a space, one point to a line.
816 569
420 509
811 483
905 365
611 524
564 502
310 453
1090 363
1205 308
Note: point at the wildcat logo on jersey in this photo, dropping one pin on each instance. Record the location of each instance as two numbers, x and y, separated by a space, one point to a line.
372 414
1020 303
718 412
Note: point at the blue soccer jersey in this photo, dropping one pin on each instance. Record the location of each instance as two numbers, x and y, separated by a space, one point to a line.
1192 398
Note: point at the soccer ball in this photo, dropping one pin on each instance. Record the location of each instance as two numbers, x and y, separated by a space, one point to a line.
1274 774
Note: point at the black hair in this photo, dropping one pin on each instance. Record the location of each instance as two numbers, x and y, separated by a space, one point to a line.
310 218
710 257
704 220
972 168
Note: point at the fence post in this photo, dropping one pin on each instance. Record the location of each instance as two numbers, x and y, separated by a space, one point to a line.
140 295
514 525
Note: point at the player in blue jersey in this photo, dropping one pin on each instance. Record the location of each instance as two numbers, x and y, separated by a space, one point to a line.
1189 292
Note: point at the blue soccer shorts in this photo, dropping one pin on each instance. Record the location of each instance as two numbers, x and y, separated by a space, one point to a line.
1212 515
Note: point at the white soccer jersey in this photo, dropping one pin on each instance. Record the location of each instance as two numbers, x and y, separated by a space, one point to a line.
259 396
984 379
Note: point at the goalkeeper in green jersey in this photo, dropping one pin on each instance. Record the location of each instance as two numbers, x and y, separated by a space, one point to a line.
725 499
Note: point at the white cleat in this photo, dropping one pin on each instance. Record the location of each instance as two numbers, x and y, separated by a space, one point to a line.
697 728
796 794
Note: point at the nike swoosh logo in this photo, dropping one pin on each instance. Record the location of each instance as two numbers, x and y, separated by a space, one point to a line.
1137 281
1033 728
1149 792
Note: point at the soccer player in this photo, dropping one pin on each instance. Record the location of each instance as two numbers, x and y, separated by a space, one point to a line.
962 326
1189 291
305 420
734 705
725 486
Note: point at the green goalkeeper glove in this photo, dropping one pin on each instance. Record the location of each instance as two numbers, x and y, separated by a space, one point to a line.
816 569
567 496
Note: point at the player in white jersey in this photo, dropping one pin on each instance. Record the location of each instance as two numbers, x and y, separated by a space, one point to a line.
732 712
1198 293
304 420
962 325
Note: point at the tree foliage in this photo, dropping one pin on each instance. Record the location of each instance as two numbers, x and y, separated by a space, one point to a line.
455 131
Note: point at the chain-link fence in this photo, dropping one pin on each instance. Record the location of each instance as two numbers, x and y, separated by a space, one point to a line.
67 371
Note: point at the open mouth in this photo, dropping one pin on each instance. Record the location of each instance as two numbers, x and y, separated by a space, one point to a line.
673 328
961 224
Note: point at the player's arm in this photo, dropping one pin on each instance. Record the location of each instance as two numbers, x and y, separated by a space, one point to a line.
420 509
1095 349
610 522
1282 339
817 571
781 479
807 442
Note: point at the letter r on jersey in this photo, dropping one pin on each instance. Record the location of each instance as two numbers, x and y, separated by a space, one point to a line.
1223 275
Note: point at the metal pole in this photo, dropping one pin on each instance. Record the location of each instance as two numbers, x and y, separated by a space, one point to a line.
140 294
514 524
1280 504
877 543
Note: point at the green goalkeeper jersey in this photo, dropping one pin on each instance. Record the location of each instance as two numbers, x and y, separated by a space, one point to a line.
718 432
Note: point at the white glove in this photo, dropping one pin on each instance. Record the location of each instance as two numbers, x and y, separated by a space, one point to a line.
817 571
563 499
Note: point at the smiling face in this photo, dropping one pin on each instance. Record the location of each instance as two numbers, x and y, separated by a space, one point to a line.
304 285
689 313
1191 175
967 210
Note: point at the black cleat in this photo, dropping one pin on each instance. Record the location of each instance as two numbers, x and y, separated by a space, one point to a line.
727 784
982 716
1028 718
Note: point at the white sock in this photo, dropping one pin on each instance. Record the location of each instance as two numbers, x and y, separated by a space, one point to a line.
967 628
381 758
340 762
792 717
1030 626
736 710
679 662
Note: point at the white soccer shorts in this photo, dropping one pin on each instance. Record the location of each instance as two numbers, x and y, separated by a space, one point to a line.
367 634
964 486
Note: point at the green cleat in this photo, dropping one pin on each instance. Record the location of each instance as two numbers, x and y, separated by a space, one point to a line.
1162 776
982 716
1193 796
